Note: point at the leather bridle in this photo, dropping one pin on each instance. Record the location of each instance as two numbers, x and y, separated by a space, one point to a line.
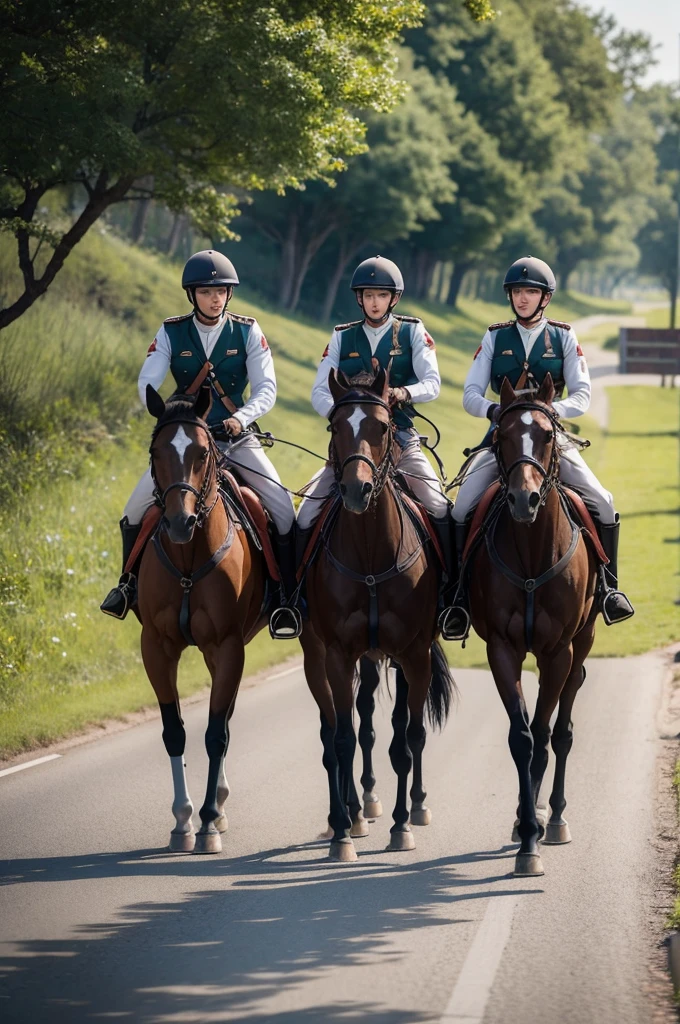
202 509
381 470
550 475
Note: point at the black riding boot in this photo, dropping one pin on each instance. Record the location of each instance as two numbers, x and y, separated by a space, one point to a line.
458 617
120 600
615 605
444 529
285 622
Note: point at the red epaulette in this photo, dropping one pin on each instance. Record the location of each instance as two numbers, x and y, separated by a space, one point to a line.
407 319
240 319
344 327
178 319
497 327
560 323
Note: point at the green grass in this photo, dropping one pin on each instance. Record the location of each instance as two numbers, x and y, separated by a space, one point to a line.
70 366
660 317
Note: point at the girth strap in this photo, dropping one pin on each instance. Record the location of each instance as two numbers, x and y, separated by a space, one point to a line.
187 582
531 585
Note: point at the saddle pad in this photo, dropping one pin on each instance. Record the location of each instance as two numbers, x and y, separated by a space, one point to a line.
314 539
480 515
425 523
581 509
258 518
150 521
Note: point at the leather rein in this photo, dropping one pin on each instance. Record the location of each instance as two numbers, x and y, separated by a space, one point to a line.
203 511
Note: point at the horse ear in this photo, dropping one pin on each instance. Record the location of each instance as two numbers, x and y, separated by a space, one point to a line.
522 382
154 402
507 393
338 384
381 384
546 392
203 404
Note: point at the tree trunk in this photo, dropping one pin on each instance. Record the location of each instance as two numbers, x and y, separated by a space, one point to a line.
305 256
459 271
288 254
142 210
178 226
674 303
344 253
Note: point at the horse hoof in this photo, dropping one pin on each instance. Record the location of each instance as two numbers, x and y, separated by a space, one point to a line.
557 833
181 842
221 823
342 851
372 806
208 842
528 865
421 816
359 827
401 841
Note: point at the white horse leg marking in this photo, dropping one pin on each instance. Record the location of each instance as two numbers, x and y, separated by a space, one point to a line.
356 419
182 806
221 823
181 442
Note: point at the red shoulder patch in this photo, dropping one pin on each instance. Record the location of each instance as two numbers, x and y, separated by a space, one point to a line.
429 341
151 348
325 352
477 353
579 350
263 342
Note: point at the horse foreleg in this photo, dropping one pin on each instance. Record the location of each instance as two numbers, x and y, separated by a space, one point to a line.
370 679
226 665
506 669
162 673
400 756
340 675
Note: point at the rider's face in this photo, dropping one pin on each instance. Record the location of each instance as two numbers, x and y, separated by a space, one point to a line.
525 300
211 300
376 302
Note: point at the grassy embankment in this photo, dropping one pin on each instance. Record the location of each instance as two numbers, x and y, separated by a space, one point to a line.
73 359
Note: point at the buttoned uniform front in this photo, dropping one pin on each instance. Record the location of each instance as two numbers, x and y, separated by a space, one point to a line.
403 342
507 350
240 355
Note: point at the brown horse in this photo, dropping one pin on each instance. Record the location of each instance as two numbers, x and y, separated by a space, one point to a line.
200 581
371 588
532 588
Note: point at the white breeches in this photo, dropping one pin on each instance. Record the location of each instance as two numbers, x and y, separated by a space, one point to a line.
247 455
573 471
412 464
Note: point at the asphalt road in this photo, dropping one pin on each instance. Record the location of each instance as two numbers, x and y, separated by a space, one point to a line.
98 923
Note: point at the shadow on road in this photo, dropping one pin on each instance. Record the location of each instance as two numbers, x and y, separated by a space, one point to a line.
239 951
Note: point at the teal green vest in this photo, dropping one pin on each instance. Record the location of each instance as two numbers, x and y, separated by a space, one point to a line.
228 358
510 359
355 357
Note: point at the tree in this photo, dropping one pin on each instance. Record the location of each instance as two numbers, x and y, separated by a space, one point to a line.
201 94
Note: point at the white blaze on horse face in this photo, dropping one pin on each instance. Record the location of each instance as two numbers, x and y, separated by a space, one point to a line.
356 419
181 442
527 443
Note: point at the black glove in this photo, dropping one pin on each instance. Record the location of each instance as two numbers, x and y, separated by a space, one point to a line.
493 412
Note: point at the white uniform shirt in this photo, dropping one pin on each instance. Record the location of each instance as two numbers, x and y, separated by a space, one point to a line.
423 356
259 367
576 376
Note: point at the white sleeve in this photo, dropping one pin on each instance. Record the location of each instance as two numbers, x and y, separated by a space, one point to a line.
424 359
577 379
479 378
156 365
261 377
322 399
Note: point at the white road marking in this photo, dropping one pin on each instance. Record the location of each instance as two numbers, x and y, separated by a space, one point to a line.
29 764
286 672
473 988
356 419
181 442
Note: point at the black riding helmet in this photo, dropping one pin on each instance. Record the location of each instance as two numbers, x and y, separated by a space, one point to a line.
207 268
377 272
532 273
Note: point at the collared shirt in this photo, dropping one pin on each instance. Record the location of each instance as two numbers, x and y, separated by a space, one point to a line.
259 367
423 357
576 376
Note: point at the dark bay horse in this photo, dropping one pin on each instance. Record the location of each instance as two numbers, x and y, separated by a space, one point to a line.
371 588
200 579
532 587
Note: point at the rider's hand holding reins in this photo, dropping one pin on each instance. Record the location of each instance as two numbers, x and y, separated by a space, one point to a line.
396 395
233 427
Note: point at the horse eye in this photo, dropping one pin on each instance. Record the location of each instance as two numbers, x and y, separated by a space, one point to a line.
548 436
383 427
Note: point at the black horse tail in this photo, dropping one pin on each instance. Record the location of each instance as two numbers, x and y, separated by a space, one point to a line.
442 688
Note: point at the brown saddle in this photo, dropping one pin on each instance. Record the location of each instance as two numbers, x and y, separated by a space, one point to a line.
312 544
577 507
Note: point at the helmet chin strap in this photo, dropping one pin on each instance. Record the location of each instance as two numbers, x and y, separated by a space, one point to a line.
386 315
537 313
210 320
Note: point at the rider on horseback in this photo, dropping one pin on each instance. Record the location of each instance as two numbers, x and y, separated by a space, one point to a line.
238 355
402 345
534 345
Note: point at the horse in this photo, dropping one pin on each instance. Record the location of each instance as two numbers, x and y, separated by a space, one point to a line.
532 588
201 581
371 588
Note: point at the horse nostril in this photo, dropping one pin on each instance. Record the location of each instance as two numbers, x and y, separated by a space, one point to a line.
190 522
511 498
534 499
366 488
